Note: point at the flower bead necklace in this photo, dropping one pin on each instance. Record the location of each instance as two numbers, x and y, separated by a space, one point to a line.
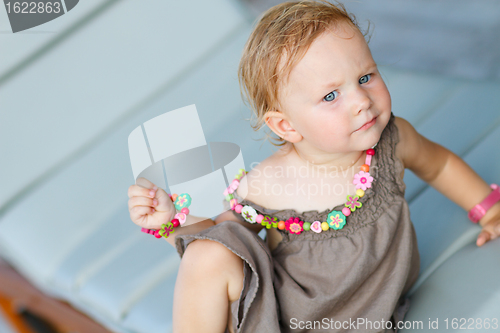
336 219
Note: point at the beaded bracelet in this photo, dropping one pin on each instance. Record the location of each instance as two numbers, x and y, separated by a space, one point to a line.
181 202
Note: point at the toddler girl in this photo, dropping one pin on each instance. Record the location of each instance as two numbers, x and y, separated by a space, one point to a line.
341 249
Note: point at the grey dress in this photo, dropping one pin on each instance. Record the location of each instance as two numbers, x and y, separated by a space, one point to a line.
361 271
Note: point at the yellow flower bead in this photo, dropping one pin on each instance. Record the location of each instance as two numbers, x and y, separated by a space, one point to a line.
360 192
325 226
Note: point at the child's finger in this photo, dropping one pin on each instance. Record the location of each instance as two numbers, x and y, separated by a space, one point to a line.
490 231
142 201
141 188
139 191
493 230
483 238
141 181
138 213
164 201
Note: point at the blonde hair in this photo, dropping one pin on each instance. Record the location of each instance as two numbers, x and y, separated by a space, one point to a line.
285 29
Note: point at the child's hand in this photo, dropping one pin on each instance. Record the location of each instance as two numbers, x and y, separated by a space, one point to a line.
491 230
149 206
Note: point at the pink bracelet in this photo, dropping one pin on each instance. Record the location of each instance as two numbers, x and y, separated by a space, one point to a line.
479 210
181 202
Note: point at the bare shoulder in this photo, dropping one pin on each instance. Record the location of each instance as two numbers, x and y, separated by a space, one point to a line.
252 188
408 141
261 178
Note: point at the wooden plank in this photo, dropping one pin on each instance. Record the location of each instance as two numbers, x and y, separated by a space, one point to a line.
16 290
100 75
14 319
92 189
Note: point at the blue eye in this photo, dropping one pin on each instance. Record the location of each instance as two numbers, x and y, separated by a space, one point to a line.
364 78
331 96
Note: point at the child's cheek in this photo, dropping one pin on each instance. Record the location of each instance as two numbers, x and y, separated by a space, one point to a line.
381 100
385 97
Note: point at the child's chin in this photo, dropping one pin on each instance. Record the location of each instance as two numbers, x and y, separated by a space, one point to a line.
372 139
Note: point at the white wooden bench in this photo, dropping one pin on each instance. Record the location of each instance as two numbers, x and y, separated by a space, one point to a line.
66 117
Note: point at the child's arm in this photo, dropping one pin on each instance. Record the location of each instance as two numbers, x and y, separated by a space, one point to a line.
449 174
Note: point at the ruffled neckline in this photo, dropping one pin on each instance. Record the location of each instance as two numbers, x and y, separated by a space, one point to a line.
306 215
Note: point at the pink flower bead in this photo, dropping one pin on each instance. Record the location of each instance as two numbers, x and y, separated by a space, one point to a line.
234 185
185 210
259 218
346 211
294 225
238 208
233 203
362 180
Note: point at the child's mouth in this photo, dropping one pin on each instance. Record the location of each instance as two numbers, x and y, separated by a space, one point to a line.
367 125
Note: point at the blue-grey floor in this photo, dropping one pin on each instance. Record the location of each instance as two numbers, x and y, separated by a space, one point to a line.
4 326
457 38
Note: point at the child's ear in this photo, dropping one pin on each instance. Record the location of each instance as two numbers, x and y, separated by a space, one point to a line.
281 126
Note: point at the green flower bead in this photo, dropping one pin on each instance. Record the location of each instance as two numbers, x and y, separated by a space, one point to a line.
240 174
162 230
229 197
183 201
353 203
336 220
166 229
269 222
306 226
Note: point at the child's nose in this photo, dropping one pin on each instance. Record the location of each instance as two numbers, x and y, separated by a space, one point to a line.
361 100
